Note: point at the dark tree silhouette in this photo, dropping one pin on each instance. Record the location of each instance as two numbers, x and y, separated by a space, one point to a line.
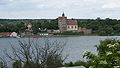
33 54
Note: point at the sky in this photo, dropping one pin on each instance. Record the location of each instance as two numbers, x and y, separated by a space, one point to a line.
51 9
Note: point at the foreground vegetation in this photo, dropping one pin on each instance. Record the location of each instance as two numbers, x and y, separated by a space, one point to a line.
34 54
108 56
99 26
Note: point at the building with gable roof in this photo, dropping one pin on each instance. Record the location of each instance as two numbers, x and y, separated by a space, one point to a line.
72 25
65 24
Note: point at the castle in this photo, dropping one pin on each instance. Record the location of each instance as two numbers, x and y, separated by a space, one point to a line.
65 24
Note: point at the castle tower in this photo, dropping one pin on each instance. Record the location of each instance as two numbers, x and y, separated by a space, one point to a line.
62 23
63 15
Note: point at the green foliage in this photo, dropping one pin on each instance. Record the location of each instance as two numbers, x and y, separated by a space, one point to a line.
108 55
30 64
105 30
13 27
103 27
78 63
54 61
44 24
2 65
18 25
17 64
51 62
70 64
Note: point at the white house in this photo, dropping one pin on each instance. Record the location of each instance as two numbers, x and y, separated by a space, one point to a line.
72 26
14 34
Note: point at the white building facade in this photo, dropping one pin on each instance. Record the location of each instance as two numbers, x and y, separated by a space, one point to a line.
72 26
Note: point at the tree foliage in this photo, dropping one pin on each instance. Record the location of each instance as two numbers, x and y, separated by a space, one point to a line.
17 64
18 25
103 27
99 26
108 55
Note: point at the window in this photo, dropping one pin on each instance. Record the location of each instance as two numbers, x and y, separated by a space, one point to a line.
75 26
71 26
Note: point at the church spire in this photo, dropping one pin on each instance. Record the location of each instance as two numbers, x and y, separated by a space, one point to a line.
63 14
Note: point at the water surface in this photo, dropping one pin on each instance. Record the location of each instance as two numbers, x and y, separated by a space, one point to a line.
74 48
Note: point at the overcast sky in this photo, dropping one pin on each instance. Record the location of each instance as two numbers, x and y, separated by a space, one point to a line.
81 9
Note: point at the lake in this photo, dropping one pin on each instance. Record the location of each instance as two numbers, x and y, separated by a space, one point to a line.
74 48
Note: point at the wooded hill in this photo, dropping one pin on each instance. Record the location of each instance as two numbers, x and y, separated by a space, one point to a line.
99 26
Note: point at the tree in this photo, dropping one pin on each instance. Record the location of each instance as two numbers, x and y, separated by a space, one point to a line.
33 55
20 27
3 62
108 55
105 30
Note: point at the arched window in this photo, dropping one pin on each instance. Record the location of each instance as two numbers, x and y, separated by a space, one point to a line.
75 26
71 26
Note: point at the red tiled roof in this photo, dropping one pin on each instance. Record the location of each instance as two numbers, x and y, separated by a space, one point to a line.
7 33
72 23
62 17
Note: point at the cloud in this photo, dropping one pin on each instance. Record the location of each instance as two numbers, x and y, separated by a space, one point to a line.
41 6
53 8
112 5
90 1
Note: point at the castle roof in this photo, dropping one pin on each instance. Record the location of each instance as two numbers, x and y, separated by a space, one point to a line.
72 23
62 17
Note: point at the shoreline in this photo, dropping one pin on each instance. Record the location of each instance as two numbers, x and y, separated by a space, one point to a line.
38 36
35 36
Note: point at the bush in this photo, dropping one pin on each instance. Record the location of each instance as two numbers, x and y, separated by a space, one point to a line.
30 64
17 64
70 64
108 55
